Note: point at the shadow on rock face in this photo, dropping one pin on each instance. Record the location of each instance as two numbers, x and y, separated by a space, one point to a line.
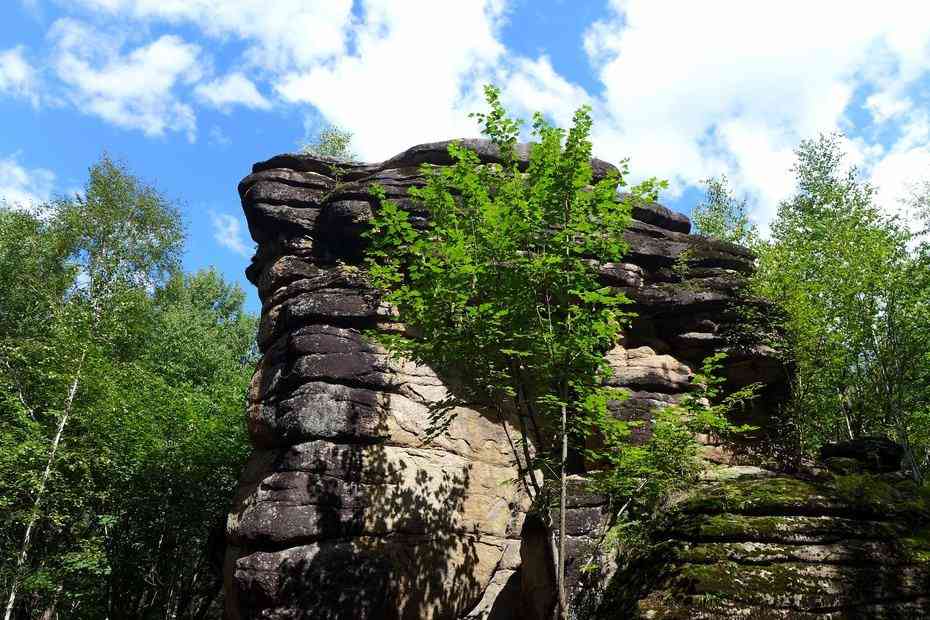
876 454
384 536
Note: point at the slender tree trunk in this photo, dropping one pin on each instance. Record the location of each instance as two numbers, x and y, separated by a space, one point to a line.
563 602
24 552
50 612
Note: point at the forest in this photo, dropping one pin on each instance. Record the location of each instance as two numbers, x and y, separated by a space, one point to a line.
122 384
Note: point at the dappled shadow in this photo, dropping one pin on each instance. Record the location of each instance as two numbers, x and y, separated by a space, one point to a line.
388 542
369 524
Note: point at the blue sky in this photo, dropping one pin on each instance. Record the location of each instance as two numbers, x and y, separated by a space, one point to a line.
191 92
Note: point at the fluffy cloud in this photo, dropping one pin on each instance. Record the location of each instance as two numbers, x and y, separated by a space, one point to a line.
896 173
710 88
233 89
687 90
227 231
283 33
218 137
415 73
136 89
534 86
24 187
17 76
885 106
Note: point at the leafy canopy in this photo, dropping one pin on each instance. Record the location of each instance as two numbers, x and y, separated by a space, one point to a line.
94 301
854 285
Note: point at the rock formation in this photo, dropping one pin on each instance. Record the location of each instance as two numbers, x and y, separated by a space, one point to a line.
344 511
751 543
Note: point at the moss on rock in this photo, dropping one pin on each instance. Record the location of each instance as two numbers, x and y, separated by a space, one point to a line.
783 547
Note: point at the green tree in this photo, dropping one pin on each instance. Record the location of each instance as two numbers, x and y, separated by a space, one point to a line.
331 141
856 300
122 388
723 216
185 400
110 251
500 285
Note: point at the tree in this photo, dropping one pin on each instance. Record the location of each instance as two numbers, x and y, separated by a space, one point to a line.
186 397
331 141
499 284
856 300
110 250
722 216
122 387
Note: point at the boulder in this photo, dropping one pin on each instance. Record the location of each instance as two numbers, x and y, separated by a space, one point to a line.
877 454
748 543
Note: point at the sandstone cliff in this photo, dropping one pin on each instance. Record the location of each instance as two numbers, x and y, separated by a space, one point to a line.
344 512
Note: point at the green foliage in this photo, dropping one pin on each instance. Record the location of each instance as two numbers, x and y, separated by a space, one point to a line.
854 286
708 409
668 461
158 363
331 141
498 294
723 216
680 267
642 478
499 281
918 208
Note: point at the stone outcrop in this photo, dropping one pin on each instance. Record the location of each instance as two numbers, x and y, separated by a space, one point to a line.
750 543
876 454
344 511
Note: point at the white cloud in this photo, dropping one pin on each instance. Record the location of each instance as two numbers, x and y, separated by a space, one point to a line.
282 33
687 90
17 75
885 105
415 73
533 86
895 175
218 137
227 231
134 90
233 89
24 187
915 131
732 88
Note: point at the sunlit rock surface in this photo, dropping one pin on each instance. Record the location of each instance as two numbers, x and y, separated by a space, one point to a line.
345 512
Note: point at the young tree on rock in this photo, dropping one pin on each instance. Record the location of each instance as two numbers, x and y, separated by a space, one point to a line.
499 284
722 215
331 141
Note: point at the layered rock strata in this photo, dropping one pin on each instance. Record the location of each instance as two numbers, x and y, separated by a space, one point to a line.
344 511
851 542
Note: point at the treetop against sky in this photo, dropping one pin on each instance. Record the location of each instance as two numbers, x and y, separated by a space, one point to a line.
191 93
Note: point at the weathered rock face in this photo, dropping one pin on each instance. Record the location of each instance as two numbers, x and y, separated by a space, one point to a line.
343 511
753 544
